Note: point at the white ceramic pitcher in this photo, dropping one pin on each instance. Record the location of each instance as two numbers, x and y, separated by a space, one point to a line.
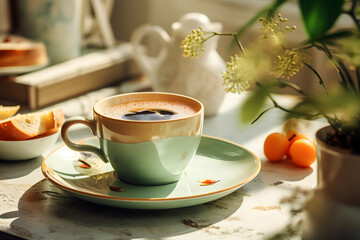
169 71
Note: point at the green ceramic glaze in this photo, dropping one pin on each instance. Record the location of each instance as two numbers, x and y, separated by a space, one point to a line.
217 159
153 162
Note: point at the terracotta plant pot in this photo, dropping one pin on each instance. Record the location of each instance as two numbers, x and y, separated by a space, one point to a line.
338 170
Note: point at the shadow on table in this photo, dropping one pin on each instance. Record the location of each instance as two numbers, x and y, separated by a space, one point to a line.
16 169
284 170
57 213
275 175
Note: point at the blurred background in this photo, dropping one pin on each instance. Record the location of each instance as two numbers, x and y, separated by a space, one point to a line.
102 24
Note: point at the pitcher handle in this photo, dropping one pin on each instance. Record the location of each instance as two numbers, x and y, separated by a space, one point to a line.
81 147
147 63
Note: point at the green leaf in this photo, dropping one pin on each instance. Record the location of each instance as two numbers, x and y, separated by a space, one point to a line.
319 15
253 104
338 106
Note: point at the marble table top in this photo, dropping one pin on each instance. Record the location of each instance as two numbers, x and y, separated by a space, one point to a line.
268 207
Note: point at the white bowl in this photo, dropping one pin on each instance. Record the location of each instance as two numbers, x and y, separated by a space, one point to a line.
27 149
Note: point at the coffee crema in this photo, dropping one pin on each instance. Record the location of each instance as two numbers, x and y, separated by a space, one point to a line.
149 110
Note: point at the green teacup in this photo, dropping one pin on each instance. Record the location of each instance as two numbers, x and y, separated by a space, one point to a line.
149 138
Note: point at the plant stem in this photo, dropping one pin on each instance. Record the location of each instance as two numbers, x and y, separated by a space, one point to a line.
235 36
262 113
352 15
358 78
212 34
332 121
291 85
321 81
329 55
348 76
357 23
277 105
239 44
341 68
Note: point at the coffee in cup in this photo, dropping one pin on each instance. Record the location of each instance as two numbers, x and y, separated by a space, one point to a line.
151 110
149 138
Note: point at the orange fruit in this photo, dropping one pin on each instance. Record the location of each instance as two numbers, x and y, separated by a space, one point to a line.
276 146
292 136
303 152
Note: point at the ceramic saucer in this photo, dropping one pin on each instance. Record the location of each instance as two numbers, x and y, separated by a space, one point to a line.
229 164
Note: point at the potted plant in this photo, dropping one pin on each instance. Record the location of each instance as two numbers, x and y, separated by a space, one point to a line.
270 64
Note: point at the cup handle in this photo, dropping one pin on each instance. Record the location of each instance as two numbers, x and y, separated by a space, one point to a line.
81 147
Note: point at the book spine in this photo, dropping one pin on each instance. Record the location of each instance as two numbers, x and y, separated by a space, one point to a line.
12 91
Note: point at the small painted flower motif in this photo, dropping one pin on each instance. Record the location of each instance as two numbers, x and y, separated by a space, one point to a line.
84 164
207 182
116 189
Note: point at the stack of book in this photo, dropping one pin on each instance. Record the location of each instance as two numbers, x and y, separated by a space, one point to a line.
71 78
